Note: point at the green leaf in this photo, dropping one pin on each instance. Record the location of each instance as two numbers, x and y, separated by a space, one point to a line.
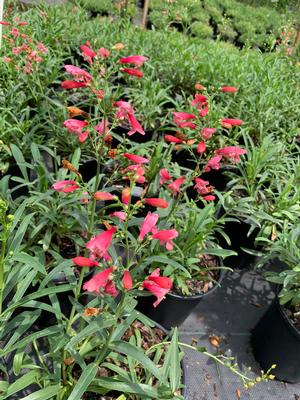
145 391
138 355
19 235
85 379
20 160
44 394
21 383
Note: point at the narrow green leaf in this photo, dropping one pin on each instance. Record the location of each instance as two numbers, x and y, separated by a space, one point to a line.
44 394
21 383
85 379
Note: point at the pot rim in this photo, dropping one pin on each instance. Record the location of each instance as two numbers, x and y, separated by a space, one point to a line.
289 323
199 296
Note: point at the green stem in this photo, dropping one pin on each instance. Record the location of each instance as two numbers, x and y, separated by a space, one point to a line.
2 260
118 314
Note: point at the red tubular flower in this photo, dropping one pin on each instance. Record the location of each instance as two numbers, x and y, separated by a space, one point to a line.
125 111
148 224
127 280
164 176
139 172
6 23
165 237
119 214
133 72
110 288
182 116
186 124
172 139
228 89
72 84
98 281
156 202
209 197
136 159
126 196
99 245
79 74
135 126
204 111
201 148
138 61
213 163
198 86
88 53
76 126
103 52
175 185
207 133
65 186
231 152
199 101
230 122
84 262
158 285
100 127
104 196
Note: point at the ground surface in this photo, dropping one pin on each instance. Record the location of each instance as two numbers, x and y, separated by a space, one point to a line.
230 313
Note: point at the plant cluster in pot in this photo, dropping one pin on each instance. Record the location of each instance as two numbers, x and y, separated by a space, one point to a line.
194 265
276 337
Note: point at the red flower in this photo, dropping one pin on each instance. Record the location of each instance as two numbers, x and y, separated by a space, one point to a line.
230 122
72 84
100 127
158 285
139 172
198 86
175 185
84 262
138 61
79 74
76 126
165 237
110 288
199 101
148 224
232 152
126 196
156 202
103 52
213 163
119 214
164 176
204 112
209 197
134 126
127 280
183 116
172 139
228 89
104 196
5 23
207 133
136 159
201 148
99 245
99 280
65 186
88 53
133 72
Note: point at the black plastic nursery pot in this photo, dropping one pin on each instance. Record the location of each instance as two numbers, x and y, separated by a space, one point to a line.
174 309
275 340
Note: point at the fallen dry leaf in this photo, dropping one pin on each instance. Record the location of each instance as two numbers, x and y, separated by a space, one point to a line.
91 311
69 361
238 394
215 340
